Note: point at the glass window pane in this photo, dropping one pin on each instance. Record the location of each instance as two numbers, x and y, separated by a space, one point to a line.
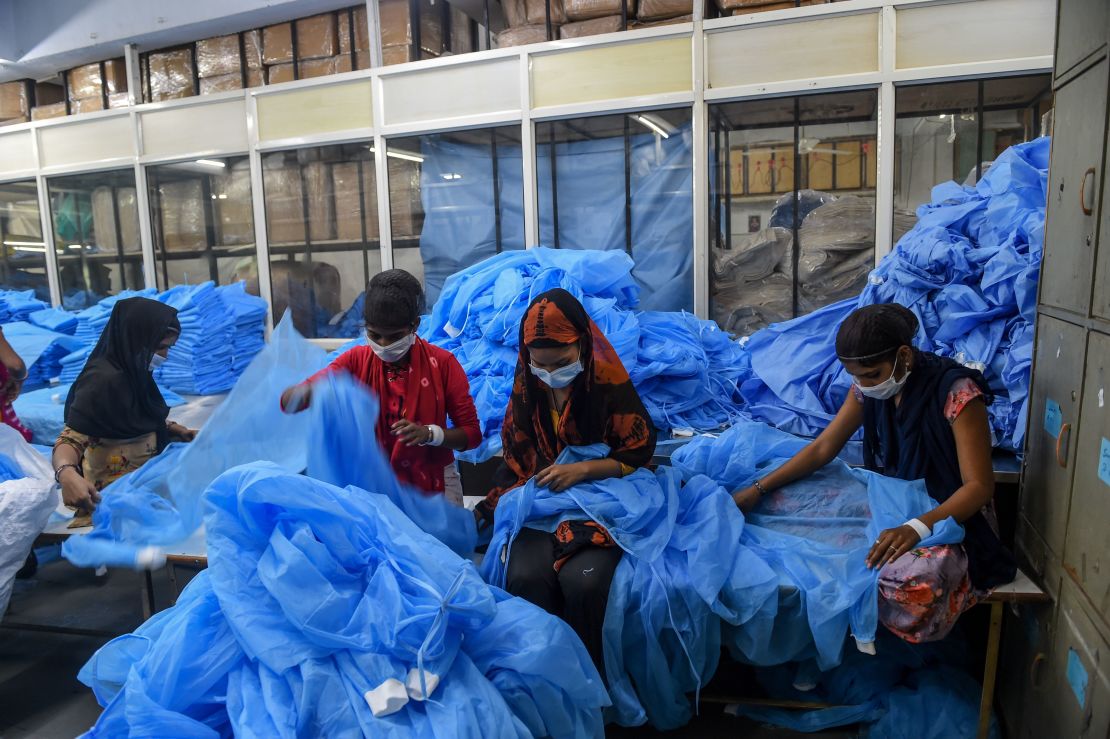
623 182
792 192
96 234
937 133
24 252
322 228
455 199
202 220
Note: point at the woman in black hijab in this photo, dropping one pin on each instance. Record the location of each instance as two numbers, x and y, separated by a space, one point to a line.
115 415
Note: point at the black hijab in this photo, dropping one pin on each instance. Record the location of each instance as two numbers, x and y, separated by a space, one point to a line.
115 396
913 440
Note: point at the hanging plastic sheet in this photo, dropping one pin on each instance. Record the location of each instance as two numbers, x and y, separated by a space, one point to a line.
682 572
161 503
968 269
27 496
327 612
815 534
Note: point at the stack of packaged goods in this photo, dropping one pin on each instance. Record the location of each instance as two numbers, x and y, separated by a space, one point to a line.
248 315
169 74
528 21
742 7
406 39
54 319
96 86
25 100
18 305
41 350
230 62
200 363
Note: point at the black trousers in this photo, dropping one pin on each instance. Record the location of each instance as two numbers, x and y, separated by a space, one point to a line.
578 593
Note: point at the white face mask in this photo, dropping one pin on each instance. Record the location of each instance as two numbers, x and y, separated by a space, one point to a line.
886 389
156 361
559 378
393 352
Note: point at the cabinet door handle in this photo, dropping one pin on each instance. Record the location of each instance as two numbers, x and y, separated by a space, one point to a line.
1090 173
1064 429
1035 670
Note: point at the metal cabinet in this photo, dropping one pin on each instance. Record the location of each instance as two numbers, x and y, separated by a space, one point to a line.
1080 32
1074 178
1076 675
1087 554
1028 638
1100 299
1053 413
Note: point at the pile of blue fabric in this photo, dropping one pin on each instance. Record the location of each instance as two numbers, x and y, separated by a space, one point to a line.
43 410
200 362
248 315
18 305
968 269
42 350
814 534
54 319
684 573
685 369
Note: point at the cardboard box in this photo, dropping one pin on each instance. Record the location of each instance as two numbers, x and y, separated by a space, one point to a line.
44 112
317 37
607 24
351 211
234 213
228 82
665 22
397 25
285 204
362 31
171 74
324 67
14 103
86 105
743 7
277 44
524 35
519 13
584 10
47 93
218 56
403 54
652 10
278 73
181 208
461 42
86 82
404 198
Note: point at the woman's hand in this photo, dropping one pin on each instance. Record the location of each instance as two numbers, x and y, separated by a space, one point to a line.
181 433
413 434
559 477
77 492
892 544
296 398
747 499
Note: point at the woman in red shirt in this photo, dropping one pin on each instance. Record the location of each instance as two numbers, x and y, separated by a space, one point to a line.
419 385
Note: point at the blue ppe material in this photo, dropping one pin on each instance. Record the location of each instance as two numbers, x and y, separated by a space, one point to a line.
815 535
686 370
41 350
316 596
344 451
968 269
54 319
43 411
19 305
161 503
683 572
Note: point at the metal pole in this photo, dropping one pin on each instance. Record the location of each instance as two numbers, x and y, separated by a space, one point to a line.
795 251
554 186
53 277
627 188
496 189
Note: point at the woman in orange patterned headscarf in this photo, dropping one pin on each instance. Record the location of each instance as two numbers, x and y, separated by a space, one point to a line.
570 389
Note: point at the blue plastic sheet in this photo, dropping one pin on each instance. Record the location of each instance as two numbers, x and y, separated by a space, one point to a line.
686 370
54 319
968 269
682 574
43 411
162 502
18 305
316 597
814 534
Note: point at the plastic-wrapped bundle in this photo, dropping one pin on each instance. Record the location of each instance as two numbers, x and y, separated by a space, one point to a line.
43 411
683 572
92 320
248 314
18 305
478 316
54 319
751 282
836 251
968 269
325 611
41 350
815 534
160 504
200 363
26 500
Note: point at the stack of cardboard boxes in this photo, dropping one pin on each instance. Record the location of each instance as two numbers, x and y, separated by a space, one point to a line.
24 100
743 7
528 19
97 86
230 62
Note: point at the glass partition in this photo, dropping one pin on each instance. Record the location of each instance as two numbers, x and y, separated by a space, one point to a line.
954 130
322 228
792 205
96 234
23 249
202 221
455 199
623 182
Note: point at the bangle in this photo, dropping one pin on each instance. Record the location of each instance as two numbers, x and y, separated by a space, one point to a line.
58 472
759 486
922 529
435 436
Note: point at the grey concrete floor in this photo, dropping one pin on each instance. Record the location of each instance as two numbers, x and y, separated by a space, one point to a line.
40 696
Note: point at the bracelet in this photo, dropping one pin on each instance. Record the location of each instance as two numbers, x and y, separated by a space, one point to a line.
923 531
58 472
436 438
759 486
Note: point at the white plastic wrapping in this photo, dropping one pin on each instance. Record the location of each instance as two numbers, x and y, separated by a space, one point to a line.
25 507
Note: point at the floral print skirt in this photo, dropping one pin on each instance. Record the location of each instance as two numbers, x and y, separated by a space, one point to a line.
923 592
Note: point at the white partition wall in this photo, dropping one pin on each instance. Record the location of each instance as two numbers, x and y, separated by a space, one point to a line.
358 135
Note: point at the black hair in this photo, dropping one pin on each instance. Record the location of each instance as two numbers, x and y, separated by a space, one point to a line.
394 298
873 334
